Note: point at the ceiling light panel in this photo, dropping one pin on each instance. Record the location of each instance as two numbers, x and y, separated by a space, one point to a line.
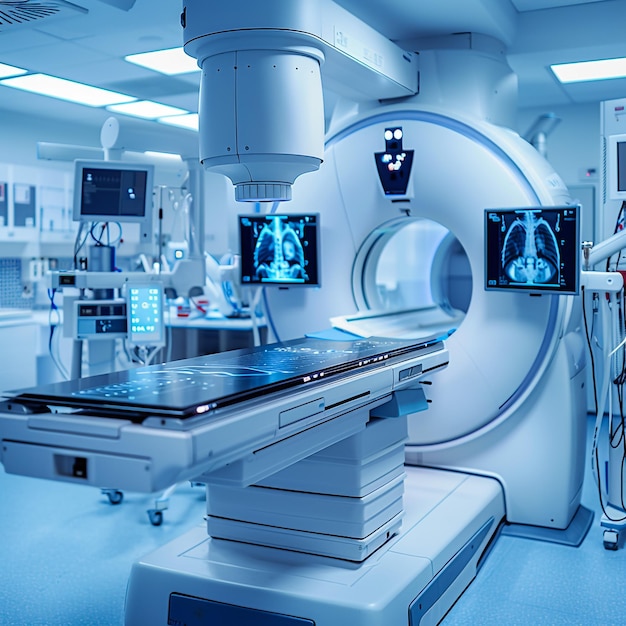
10 70
46 85
604 69
171 61
182 121
146 109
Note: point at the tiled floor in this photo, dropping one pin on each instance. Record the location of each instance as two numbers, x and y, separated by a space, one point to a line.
526 582
65 557
66 553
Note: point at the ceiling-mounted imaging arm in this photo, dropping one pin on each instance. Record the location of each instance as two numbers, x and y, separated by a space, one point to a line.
261 105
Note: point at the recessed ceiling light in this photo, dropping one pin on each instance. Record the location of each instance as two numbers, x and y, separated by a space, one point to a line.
146 109
183 121
170 61
163 155
10 70
63 89
603 69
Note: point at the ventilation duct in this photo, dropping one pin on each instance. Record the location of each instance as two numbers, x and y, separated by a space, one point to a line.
125 5
16 14
30 13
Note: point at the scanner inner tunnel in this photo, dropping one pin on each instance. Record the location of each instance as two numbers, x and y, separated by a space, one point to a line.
414 264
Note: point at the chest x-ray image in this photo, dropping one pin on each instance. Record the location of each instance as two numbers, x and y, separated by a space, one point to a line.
530 253
279 249
534 249
278 254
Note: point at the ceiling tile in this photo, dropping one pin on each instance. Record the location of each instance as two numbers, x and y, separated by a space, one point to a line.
153 87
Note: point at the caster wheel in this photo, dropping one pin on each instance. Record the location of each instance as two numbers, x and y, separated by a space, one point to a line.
115 497
611 540
156 517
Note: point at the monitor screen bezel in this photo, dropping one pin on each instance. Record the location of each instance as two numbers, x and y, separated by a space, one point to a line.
572 290
279 283
613 163
144 221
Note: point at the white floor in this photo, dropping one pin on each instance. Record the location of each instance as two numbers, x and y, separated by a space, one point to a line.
66 553
65 556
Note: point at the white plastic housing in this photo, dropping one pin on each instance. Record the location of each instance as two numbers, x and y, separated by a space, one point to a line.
261 105
261 120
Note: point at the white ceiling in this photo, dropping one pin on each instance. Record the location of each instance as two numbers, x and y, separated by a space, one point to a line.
88 45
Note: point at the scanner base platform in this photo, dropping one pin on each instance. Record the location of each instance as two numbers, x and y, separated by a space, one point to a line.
414 578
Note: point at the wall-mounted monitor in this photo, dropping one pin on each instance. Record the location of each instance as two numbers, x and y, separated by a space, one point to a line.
280 249
114 191
533 249
616 167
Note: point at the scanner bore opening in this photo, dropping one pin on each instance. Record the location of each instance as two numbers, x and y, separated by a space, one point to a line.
413 263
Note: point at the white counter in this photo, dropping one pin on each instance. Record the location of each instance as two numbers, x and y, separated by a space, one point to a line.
19 333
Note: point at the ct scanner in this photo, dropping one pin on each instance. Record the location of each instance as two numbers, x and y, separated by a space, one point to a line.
499 448
366 495
511 403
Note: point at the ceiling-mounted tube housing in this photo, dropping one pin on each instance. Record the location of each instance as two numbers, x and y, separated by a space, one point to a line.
261 105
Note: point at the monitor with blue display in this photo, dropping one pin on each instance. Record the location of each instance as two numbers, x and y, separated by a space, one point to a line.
144 306
533 249
279 249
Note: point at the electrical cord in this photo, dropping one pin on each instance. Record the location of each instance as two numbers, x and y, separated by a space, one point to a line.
54 320
78 244
105 228
591 355
606 392
619 225
268 314
616 367
142 355
268 317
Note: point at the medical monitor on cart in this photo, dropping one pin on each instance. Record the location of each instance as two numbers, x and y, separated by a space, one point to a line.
279 249
533 249
114 191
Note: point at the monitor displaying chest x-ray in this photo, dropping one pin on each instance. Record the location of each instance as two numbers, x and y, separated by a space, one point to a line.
279 249
533 249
